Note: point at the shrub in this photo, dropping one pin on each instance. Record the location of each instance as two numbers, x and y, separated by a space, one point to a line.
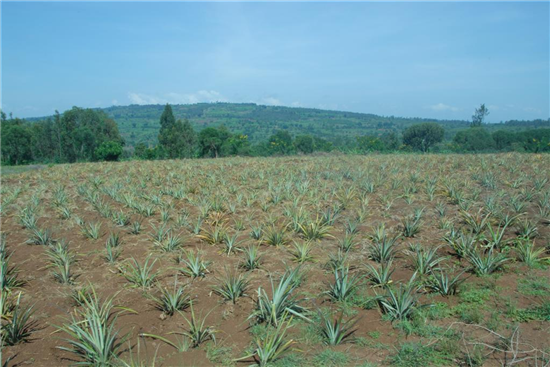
474 139
108 151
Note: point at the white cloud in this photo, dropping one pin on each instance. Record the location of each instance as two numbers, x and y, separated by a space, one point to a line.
139 98
200 96
329 106
270 101
532 110
177 98
443 107
114 102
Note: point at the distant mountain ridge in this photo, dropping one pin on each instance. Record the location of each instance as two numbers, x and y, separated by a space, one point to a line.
139 123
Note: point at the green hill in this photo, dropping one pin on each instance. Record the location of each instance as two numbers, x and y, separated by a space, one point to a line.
139 123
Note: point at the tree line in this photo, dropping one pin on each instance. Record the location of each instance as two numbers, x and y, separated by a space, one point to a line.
76 135
178 139
90 135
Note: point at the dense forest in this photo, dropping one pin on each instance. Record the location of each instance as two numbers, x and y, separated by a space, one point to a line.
223 129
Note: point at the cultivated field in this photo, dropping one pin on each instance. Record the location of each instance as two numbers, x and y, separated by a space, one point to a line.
407 260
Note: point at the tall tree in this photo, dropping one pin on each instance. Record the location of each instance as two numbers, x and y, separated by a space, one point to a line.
188 140
423 136
166 133
167 119
16 142
178 139
479 115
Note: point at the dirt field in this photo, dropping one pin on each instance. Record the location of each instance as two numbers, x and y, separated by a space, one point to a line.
486 217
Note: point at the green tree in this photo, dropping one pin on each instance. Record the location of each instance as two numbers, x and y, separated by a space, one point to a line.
70 137
16 142
236 144
390 140
80 131
166 137
43 143
66 125
211 141
108 151
423 136
281 142
140 150
304 144
368 143
479 115
475 139
504 139
323 145
177 139
85 143
536 140
188 139
167 119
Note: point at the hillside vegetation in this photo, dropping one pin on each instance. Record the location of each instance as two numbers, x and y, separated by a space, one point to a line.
139 123
224 129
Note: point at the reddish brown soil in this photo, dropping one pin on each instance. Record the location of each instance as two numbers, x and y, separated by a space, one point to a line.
52 303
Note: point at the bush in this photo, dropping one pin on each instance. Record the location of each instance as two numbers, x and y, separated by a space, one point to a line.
304 144
474 139
108 151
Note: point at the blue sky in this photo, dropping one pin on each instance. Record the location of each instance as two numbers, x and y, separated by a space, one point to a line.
437 60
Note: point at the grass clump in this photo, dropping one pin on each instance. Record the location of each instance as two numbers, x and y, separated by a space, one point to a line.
415 354
331 358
